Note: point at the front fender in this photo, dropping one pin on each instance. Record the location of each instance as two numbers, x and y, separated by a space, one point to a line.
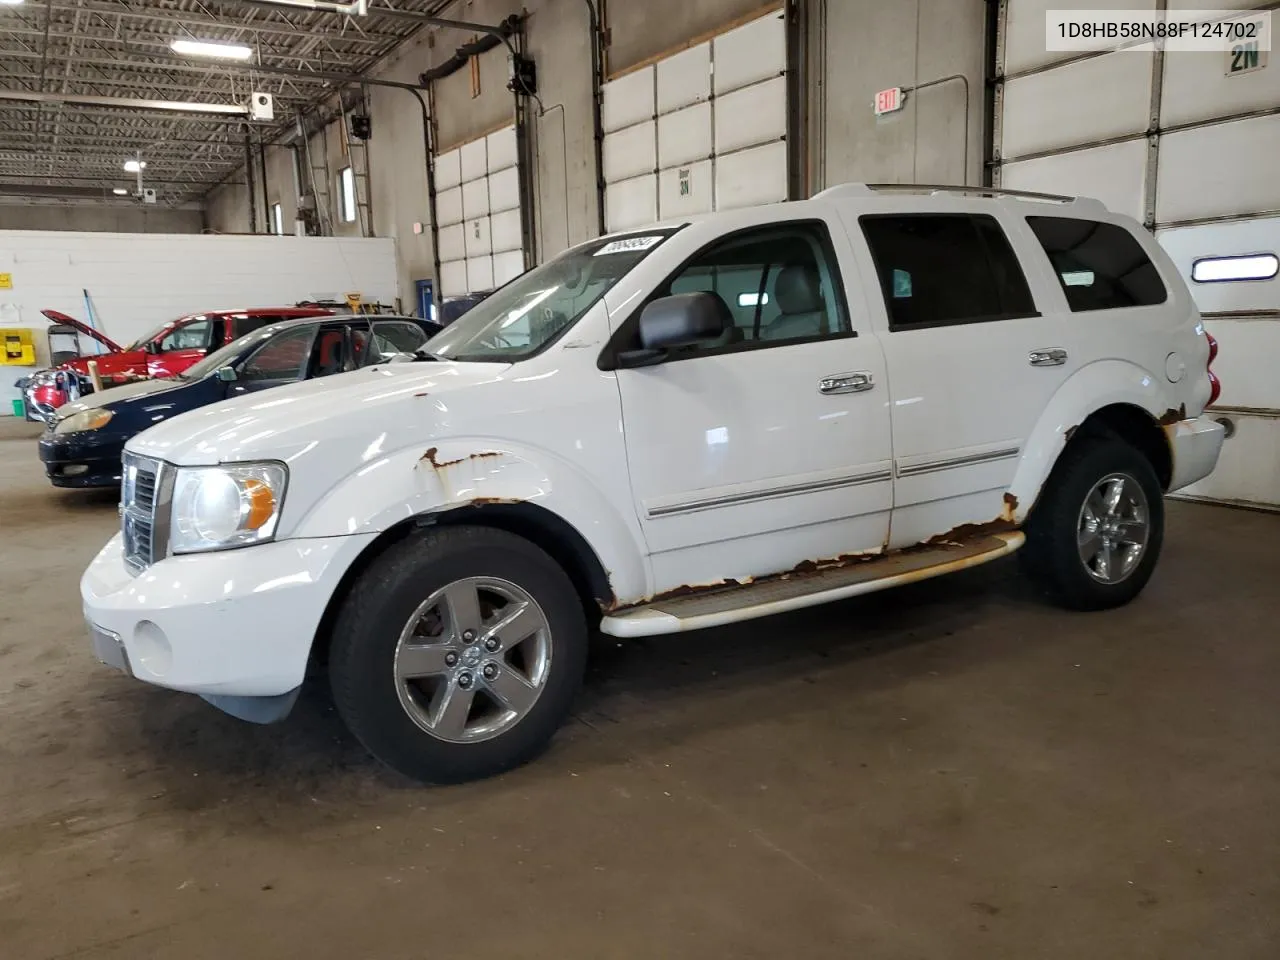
461 472
1098 385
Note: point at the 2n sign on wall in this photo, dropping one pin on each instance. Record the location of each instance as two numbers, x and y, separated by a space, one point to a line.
1245 57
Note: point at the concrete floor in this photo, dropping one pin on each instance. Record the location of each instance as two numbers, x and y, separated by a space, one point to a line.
950 770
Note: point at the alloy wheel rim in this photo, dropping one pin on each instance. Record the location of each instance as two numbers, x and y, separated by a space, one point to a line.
473 659
1114 528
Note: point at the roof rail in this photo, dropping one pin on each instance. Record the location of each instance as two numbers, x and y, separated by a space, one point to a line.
933 189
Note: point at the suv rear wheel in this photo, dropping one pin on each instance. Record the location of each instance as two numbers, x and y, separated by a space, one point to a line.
1095 535
457 654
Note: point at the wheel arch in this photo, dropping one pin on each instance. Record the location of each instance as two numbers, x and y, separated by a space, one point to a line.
540 526
1136 427
1111 398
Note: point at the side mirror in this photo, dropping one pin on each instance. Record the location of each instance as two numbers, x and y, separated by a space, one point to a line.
152 347
680 320
227 374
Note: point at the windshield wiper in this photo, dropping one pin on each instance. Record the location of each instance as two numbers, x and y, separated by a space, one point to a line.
421 355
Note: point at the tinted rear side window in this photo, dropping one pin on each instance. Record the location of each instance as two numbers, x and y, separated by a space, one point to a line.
1100 265
938 269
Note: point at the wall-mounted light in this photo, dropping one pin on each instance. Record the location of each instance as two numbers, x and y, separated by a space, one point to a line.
135 166
210 48
120 192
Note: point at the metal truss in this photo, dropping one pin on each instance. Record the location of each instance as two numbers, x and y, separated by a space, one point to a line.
120 49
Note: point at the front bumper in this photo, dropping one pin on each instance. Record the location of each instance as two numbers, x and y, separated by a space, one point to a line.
1194 445
235 623
87 459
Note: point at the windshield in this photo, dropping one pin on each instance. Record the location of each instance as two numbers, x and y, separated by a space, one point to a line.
227 355
527 314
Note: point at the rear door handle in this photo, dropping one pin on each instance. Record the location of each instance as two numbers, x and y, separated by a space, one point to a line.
858 382
1047 358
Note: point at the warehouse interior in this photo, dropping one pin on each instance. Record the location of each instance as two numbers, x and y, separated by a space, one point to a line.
951 768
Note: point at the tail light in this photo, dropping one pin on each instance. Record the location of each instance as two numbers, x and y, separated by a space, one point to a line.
1215 387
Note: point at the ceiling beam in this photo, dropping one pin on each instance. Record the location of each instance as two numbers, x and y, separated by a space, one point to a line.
389 12
127 103
186 18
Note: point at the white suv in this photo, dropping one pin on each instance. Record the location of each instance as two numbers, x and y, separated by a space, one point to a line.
679 427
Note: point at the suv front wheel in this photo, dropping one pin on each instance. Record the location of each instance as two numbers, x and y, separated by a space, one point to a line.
1095 535
457 654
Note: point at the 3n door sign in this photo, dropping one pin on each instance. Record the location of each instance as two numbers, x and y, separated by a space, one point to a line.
684 175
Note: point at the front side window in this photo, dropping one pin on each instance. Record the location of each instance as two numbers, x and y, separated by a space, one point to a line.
281 359
1100 265
330 353
223 356
530 312
391 339
939 269
779 283
196 335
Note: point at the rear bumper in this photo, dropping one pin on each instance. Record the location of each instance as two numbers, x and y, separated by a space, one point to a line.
1195 445
75 461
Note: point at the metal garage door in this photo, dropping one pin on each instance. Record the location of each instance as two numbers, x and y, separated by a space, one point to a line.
700 130
478 213
1186 143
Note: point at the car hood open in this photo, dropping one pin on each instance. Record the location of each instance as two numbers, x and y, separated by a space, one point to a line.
56 316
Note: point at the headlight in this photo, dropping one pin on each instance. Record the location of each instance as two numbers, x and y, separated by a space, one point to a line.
227 506
84 420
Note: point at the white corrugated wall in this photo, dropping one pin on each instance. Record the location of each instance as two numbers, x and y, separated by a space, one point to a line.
699 130
478 212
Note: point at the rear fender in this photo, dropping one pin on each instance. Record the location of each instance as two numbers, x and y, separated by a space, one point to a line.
1091 388
456 473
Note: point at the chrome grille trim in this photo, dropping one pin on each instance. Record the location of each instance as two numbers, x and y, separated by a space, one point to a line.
145 492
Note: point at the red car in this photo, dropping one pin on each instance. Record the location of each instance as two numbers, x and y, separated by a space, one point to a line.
163 352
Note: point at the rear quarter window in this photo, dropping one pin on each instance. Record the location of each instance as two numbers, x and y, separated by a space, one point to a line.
1101 266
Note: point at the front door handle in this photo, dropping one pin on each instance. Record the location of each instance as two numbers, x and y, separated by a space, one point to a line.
1047 358
858 382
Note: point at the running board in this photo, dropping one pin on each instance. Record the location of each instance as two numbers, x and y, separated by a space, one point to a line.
718 605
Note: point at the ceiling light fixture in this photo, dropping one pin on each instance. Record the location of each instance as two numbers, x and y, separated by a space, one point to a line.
357 8
209 48
134 166
120 192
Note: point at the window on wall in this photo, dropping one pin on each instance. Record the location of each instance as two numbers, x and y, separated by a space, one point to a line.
347 194
277 219
1257 266
1100 265
938 269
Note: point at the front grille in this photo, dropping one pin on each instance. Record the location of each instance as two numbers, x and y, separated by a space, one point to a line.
144 511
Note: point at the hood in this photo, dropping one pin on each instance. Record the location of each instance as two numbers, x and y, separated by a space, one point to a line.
129 393
55 316
283 422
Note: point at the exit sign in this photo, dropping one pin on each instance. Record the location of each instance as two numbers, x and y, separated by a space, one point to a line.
888 101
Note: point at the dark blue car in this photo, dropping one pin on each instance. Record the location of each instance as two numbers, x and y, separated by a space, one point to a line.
83 445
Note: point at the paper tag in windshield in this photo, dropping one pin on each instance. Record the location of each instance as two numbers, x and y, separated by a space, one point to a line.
628 245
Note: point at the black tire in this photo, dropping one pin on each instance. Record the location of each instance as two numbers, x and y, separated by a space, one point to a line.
1052 555
383 599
